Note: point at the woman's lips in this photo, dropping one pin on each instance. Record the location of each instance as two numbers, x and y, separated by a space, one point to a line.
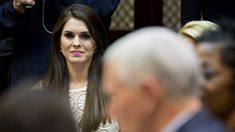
76 52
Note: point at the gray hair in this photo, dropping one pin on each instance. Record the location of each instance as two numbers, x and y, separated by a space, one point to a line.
160 52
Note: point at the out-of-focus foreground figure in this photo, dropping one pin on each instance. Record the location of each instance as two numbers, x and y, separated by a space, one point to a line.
35 111
153 77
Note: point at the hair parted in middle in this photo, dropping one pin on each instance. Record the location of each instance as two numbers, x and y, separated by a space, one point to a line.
57 76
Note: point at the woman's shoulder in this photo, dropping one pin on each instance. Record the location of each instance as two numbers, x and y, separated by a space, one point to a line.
38 86
109 126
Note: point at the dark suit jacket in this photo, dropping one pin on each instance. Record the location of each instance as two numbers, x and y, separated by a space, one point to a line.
211 10
203 121
31 50
5 59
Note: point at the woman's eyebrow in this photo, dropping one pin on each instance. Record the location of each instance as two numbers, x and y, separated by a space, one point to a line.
67 31
85 32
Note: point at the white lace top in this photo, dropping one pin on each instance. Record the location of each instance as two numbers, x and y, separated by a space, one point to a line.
77 102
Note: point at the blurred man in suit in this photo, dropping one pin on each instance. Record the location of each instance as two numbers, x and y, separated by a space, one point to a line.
153 78
24 110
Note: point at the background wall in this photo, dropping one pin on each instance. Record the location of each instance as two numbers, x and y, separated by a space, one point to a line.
123 18
134 14
171 14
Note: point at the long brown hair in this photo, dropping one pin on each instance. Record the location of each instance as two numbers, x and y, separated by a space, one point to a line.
58 77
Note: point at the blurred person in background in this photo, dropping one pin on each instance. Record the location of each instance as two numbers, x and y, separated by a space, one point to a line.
216 51
5 59
153 78
211 10
193 30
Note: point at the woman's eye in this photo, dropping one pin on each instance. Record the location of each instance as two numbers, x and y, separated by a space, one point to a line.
209 74
85 36
69 35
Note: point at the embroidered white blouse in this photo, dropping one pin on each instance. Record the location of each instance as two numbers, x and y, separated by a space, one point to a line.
77 102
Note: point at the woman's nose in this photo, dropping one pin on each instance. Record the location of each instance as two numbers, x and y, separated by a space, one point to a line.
77 42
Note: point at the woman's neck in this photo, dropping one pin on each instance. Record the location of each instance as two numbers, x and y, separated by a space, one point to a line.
78 75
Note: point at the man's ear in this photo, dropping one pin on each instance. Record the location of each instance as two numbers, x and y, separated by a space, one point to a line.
152 89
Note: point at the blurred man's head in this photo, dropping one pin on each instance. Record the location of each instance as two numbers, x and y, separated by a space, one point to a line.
23 110
146 68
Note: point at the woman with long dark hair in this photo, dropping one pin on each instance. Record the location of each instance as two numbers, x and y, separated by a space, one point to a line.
78 42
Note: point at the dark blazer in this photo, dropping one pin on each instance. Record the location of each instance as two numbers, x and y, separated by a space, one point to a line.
5 59
211 10
31 50
203 121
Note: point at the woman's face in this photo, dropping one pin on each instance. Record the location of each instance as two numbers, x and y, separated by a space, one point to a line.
76 42
218 80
